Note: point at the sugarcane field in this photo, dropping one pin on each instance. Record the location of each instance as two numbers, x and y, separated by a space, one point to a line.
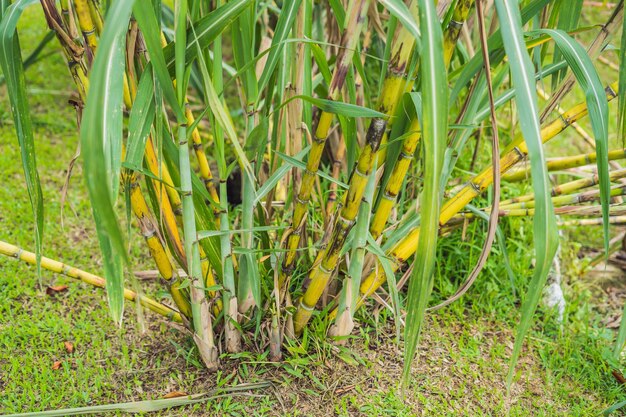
312 208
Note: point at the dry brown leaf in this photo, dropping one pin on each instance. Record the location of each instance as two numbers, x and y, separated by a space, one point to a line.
56 365
69 347
55 289
175 394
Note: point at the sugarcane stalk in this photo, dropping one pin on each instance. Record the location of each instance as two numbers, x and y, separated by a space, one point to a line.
229 295
398 173
88 278
350 290
568 187
96 16
396 81
566 163
149 230
402 164
201 316
407 246
561 200
452 32
203 163
329 256
614 210
593 222
527 208
86 24
357 11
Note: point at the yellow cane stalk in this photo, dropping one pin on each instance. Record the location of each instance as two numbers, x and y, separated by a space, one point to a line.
517 151
565 163
158 251
402 164
357 12
86 277
400 168
396 83
86 24
168 198
527 208
451 35
568 187
203 163
323 270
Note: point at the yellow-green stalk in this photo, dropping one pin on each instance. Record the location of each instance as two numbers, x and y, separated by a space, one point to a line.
517 151
88 278
402 164
396 83
527 208
565 163
568 187
329 256
86 23
149 230
355 18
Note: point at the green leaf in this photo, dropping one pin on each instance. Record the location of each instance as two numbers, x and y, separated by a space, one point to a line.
400 10
206 30
150 28
285 22
621 335
101 142
434 134
13 69
146 406
337 107
598 107
545 230
140 119
494 43
621 98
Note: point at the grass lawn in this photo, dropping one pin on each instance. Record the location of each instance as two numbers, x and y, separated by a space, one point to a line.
463 354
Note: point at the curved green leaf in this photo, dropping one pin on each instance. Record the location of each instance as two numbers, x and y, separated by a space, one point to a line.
598 107
545 229
285 22
101 142
13 69
434 133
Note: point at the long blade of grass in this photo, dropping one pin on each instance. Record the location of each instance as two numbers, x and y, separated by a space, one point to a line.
401 12
545 229
101 138
13 69
621 98
598 106
337 107
147 21
140 119
434 133
147 405
283 27
206 30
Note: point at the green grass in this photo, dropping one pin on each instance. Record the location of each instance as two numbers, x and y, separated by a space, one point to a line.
562 371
